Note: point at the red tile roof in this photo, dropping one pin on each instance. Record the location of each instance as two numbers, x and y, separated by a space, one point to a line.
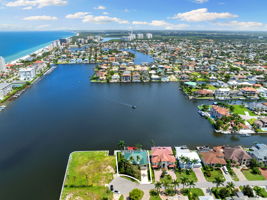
162 154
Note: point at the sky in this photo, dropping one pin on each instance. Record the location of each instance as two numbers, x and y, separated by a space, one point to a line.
235 15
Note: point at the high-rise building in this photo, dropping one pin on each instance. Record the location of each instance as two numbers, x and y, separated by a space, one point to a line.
2 64
140 36
149 35
132 36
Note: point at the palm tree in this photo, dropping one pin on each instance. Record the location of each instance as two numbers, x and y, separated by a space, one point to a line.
218 181
121 144
158 186
166 184
231 187
184 181
194 161
191 183
176 184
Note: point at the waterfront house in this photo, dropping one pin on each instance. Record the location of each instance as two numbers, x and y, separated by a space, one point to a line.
222 93
27 74
259 152
115 78
237 155
213 157
155 77
126 76
219 112
5 88
136 77
261 123
136 157
248 91
204 93
187 159
162 157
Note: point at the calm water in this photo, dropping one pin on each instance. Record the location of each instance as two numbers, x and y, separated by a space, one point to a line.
14 45
64 112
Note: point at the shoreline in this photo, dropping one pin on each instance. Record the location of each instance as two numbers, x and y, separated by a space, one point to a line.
38 51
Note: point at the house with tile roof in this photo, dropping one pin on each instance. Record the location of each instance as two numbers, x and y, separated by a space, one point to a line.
162 157
237 155
213 157
219 112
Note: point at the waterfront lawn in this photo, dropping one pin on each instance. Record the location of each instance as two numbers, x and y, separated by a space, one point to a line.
240 110
192 192
252 177
211 174
186 173
87 193
87 173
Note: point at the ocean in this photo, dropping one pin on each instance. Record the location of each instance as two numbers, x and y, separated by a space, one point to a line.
14 45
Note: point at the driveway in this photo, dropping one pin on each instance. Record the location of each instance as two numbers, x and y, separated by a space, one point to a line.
157 174
227 176
239 174
124 186
264 172
172 174
199 174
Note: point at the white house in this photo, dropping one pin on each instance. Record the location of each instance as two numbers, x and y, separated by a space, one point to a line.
5 88
187 158
27 74
2 64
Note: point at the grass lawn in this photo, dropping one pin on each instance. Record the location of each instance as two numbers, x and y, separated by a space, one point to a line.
87 174
252 177
211 87
240 110
214 173
87 193
262 192
190 176
190 191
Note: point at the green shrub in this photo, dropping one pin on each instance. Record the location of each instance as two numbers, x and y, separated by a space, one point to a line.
136 194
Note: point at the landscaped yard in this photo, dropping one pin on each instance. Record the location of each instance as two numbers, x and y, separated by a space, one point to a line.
260 191
87 174
210 175
190 175
191 192
252 177
240 110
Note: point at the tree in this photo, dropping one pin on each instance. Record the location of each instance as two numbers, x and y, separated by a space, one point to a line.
218 181
121 144
247 190
158 186
231 187
191 183
184 181
176 184
136 194
121 197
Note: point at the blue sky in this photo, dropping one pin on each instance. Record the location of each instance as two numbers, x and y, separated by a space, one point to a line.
136 14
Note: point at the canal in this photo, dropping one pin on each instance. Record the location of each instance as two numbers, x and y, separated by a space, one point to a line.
64 112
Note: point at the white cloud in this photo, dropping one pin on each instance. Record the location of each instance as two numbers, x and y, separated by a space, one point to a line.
105 13
36 3
202 14
38 18
162 23
77 15
42 26
201 1
242 25
140 23
27 8
126 10
103 19
100 8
